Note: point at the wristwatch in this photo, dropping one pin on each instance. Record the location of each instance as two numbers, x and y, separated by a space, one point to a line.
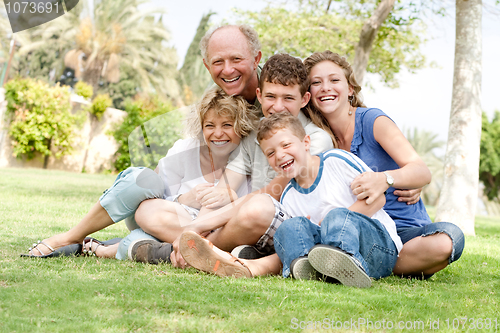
389 179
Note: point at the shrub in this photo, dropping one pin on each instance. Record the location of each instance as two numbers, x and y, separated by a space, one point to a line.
41 120
99 105
84 89
150 128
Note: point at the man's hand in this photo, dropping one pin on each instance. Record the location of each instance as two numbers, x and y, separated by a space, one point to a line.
411 197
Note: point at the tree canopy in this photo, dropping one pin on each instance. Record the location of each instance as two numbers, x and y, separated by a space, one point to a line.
303 27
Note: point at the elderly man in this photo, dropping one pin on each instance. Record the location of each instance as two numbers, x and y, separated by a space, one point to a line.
232 55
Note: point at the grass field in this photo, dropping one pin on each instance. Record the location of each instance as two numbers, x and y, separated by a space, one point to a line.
103 295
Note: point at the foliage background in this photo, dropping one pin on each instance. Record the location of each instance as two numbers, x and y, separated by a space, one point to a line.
149 121
41 119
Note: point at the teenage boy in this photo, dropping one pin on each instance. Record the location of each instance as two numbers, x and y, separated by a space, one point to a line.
338 238
283 86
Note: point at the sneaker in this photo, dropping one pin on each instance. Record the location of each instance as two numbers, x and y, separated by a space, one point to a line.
301 269
247 252
334 262
149 251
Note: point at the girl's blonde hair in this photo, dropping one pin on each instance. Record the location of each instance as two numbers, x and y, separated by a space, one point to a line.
236 108
357 100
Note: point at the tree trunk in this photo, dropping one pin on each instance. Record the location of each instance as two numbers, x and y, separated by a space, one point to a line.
93 125
46 157
367 37
459 193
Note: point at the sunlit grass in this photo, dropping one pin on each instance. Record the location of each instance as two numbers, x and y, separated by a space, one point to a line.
104 295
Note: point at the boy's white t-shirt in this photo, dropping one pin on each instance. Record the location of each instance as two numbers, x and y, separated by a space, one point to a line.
249 159
332 189
180 169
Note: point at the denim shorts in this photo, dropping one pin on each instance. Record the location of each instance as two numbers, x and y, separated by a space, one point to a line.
453 231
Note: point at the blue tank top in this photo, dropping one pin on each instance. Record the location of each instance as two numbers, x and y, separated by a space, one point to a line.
369 150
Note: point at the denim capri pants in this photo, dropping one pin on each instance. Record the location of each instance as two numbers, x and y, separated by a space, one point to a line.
131 187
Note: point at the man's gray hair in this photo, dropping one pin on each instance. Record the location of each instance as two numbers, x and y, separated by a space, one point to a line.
251 35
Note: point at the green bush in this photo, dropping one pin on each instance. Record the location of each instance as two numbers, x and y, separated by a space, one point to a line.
99 105
150 128
84 89
41 120
489 162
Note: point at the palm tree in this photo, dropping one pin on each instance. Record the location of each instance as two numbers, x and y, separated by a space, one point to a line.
425 143
97 40
118 34
458 201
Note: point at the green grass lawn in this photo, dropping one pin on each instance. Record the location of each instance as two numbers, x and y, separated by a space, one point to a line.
103 295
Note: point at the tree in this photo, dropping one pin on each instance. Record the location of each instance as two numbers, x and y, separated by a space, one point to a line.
425 143
193 76
148 131
458 199
41 119
42 50
119 33
319 25
489 162
367 37
101 41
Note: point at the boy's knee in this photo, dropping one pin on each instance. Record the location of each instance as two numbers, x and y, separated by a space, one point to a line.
258 213
337 213
295 224
334 217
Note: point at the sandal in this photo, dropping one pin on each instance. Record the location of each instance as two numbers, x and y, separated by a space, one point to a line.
65 251
198 252
92 251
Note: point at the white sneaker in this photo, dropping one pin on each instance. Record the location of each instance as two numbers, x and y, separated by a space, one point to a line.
301 269
334 262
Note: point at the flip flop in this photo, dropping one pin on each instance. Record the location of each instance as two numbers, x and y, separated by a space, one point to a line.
65 251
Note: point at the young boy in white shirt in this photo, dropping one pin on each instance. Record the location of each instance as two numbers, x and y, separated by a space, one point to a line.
335 241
